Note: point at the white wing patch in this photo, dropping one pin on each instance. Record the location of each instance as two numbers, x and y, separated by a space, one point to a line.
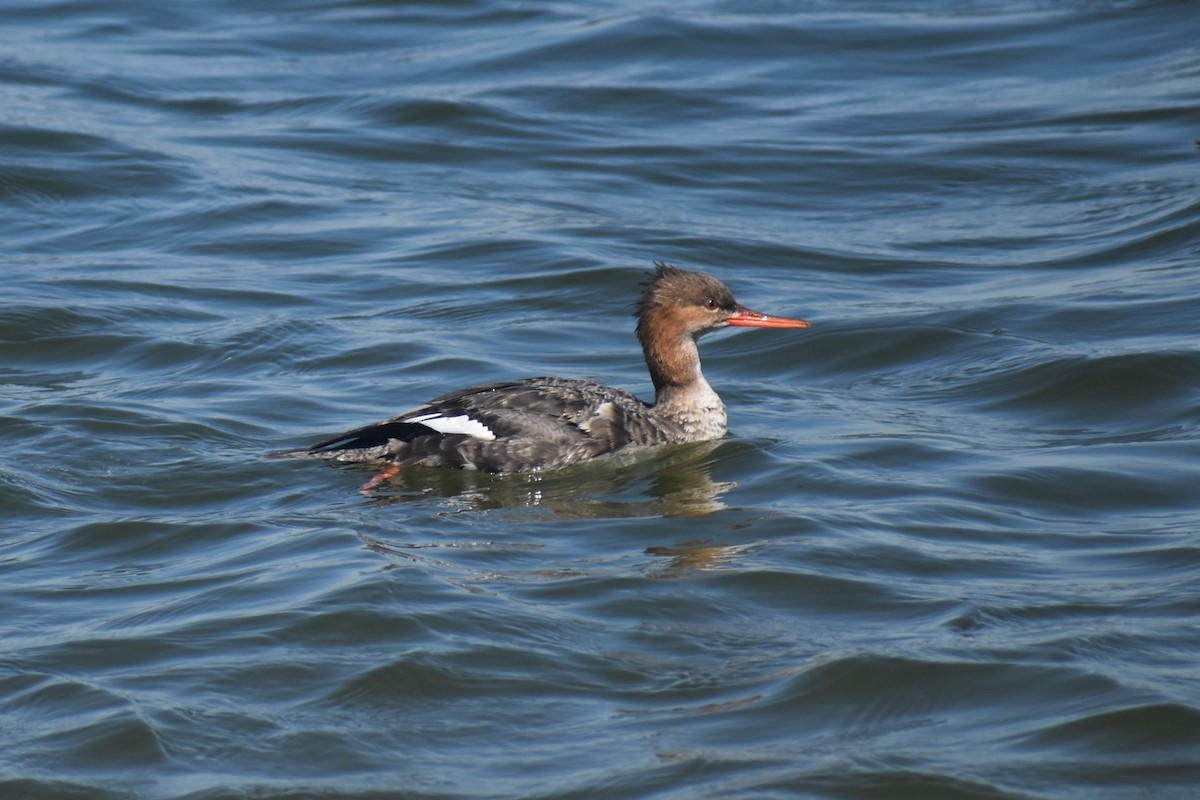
462 424
605 411
608 411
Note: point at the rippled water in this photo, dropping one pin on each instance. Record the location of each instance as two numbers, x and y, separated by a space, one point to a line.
949 550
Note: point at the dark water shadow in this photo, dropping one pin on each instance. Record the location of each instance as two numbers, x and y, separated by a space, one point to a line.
660 482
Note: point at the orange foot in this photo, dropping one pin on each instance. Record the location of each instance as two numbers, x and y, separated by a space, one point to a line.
382 477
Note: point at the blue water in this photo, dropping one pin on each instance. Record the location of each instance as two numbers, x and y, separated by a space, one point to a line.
950 549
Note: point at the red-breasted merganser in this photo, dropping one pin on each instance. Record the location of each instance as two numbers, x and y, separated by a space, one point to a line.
550 423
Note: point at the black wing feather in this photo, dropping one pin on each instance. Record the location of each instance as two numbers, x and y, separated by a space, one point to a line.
376 435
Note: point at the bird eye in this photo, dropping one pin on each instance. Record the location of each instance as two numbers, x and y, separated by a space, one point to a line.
711 305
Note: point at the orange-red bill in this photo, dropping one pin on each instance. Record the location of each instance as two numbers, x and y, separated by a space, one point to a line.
745 318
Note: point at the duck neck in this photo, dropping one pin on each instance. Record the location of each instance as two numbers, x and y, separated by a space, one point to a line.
682 396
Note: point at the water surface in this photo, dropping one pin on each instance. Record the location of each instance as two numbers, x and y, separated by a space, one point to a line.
949 550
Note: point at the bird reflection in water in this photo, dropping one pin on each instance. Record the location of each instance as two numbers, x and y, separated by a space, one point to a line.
674 481
664 482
